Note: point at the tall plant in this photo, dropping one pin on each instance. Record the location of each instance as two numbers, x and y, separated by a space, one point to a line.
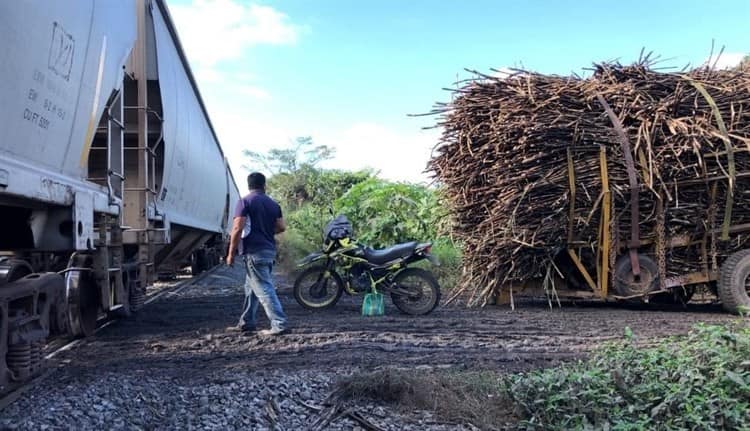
384 213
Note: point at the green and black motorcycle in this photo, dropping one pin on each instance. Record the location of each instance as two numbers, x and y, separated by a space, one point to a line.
345 265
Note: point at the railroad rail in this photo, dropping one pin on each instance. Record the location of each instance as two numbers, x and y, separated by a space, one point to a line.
66 343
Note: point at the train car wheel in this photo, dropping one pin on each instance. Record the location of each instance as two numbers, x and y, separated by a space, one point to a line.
83 299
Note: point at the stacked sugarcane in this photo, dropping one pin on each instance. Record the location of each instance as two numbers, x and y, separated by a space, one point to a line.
516 149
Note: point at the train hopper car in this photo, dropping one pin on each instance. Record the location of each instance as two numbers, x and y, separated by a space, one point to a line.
111 172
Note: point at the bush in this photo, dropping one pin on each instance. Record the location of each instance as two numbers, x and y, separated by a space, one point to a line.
455 396
309 185
304 235
382 213
449 255
385 213
308 222
701 381
291 248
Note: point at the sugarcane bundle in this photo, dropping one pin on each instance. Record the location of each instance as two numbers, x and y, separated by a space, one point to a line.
515 150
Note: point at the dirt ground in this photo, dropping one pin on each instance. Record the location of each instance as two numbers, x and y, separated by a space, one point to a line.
187 331
174 365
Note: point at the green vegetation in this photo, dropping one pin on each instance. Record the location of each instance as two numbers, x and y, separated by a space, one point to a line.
699 381
382 213
284 160
385 213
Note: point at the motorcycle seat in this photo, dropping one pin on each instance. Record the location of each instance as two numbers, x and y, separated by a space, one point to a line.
379 257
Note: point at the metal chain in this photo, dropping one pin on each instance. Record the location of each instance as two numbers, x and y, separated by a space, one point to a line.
614 245
711 221
661 259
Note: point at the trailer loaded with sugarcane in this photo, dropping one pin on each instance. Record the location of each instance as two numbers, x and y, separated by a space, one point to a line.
629 184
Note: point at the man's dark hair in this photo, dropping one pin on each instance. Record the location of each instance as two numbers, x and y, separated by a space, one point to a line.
256 181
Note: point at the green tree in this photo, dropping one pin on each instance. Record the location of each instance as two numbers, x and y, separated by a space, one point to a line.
384 213
311 185
308 217
291 170
303 152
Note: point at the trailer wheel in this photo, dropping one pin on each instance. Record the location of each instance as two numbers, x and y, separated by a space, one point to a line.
733 282
626 284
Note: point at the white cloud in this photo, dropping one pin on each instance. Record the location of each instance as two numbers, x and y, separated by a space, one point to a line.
217 30
396 155
238 132
207 75
217 36
727 60
254 92
218 33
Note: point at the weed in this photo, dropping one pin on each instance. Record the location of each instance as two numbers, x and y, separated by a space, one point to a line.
698 381
464 397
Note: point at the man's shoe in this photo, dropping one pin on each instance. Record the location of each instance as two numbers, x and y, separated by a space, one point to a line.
239 329
273 332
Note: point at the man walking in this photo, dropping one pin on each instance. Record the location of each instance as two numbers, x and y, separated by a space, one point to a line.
257 218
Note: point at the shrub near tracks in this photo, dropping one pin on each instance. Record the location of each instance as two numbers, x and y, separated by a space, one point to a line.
701 381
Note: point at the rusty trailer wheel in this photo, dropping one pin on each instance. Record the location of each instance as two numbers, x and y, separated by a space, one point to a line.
628 284
734 282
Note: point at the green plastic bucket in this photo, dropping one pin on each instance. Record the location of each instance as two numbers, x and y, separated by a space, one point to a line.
373 305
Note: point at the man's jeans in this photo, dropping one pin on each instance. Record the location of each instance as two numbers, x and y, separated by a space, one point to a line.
259 290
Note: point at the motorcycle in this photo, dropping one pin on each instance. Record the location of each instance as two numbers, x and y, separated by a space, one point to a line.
344 265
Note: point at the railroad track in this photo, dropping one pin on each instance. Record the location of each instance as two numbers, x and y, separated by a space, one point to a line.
61 345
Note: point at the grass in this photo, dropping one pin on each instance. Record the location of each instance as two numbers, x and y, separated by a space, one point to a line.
698 381
459 397
448 272
291 248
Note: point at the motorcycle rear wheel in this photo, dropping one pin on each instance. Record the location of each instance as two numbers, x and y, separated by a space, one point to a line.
309 293
424 291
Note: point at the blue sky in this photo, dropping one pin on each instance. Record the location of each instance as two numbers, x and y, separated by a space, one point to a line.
348 73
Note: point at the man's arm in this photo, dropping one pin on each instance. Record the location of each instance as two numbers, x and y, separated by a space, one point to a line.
234 238
280 225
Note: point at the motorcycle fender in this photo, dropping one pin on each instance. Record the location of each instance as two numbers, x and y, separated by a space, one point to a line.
310 258
433 260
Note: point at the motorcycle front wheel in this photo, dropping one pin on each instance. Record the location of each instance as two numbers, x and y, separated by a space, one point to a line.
318 288
417 291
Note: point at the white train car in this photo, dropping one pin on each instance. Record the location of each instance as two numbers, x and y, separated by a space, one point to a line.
110 169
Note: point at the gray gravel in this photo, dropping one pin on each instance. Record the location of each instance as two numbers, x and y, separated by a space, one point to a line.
220 401
147 373
175 366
